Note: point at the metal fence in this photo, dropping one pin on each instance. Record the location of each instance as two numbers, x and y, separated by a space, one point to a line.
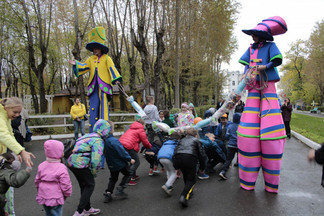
121 121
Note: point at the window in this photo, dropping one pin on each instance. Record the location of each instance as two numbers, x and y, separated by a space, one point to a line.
233 82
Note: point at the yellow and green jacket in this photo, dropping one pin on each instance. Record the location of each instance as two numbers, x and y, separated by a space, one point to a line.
78 110
7 139
106 75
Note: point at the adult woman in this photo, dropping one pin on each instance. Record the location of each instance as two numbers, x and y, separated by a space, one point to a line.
77 112
10 109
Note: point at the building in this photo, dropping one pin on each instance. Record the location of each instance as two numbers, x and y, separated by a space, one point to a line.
233 80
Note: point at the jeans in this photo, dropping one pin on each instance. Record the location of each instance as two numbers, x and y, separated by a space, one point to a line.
230 155
133 167
87 185
77 125
53 210
114 178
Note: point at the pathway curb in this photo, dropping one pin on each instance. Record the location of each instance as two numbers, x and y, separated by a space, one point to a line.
310 143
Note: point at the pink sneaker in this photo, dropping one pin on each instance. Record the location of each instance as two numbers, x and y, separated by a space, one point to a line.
80 214
91 211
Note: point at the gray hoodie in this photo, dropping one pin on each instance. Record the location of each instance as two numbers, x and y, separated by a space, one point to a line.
152 114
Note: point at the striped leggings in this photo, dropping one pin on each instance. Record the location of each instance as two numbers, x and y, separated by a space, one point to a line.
261 140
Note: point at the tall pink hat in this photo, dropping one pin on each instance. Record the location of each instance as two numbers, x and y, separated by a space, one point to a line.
269 27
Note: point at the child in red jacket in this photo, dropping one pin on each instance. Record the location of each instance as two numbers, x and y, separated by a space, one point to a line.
131 140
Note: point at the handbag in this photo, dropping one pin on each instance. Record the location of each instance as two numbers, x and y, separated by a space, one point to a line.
85 117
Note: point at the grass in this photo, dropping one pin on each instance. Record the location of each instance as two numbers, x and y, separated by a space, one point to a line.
308 126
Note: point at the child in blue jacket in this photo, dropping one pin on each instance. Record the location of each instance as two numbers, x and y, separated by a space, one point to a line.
231 135
117 159
165 158
215 151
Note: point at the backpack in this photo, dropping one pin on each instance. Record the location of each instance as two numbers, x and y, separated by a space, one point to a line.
68 147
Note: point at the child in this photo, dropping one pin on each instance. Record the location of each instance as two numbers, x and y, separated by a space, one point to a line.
192 110
52 181
262 130
117 160
231 135
185 118
131 140
151 155
85 161
152 114
215 151
10 177
165 158
186 156
167 119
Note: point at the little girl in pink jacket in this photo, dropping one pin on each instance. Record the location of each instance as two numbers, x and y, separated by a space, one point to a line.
52 181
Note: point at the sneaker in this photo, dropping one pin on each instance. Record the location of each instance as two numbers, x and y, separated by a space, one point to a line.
222 174
203 176
120 192
183 201
134 178
108 197
80 214
167 189
151 172
91 211
155 170
132 183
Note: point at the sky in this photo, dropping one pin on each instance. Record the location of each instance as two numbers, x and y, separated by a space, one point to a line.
300 15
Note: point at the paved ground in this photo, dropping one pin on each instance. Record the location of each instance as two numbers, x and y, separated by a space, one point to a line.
300 192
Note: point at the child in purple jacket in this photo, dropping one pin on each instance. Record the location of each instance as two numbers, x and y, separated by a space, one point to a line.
52 180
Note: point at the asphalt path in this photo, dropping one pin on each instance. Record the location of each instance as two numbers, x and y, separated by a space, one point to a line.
300 192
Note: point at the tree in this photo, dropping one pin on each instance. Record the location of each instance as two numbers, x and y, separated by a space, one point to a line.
43 36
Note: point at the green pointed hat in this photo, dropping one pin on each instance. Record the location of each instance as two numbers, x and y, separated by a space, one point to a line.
97 38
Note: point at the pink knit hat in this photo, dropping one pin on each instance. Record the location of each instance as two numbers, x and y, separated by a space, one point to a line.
268 28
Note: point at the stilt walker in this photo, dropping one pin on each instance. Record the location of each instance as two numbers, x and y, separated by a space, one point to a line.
103 74
261 133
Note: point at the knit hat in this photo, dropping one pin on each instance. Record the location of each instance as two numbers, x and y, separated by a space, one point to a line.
185 105
191 105
224 116
97 38
268 28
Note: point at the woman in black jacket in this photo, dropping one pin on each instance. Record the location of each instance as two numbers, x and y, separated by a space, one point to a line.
186 155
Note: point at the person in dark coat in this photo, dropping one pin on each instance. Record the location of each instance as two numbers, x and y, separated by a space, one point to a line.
186 156
286 110
118 160
318 156
239 107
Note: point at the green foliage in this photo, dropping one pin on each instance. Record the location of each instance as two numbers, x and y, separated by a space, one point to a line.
308 126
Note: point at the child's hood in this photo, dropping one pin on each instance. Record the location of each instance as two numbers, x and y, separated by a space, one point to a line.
102 127
171 142
136 125
53 149
236 118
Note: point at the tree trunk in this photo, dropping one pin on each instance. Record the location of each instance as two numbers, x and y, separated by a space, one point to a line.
177 84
